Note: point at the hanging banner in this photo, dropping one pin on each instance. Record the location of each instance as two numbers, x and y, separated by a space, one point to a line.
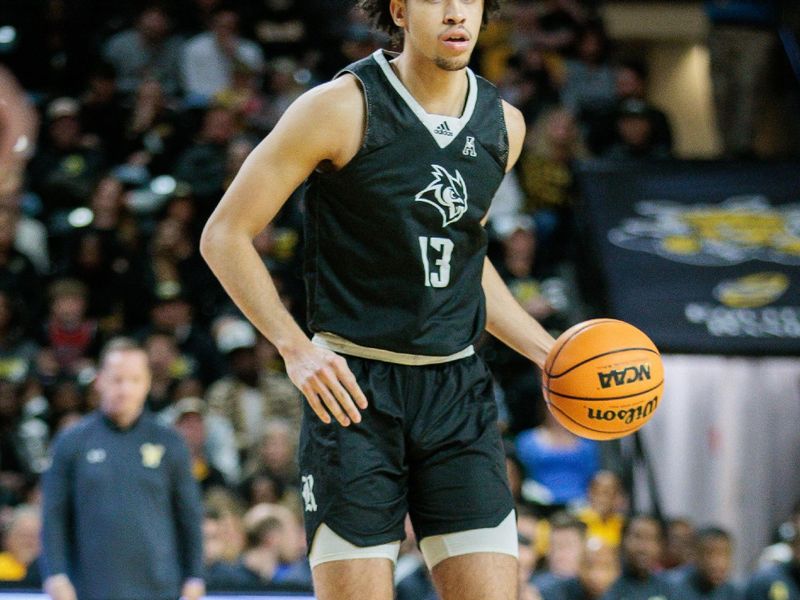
703 257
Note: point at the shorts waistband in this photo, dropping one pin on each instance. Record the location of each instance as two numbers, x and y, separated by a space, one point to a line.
338 344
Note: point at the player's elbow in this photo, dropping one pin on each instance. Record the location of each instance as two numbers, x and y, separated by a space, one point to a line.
212 240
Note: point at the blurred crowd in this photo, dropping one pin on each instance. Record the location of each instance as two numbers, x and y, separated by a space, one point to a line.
133 119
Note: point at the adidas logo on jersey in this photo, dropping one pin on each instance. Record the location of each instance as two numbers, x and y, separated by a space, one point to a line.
443 129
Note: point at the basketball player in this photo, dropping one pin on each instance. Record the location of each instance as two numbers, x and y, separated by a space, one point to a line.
403 155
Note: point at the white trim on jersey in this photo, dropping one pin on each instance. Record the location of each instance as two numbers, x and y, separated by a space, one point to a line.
335 343
443 129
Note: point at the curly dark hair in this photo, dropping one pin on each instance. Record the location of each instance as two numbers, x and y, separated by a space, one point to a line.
378 11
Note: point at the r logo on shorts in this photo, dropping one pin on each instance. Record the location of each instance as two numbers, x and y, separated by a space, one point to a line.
308 493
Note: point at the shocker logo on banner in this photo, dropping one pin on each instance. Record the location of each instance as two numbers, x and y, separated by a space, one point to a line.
740 229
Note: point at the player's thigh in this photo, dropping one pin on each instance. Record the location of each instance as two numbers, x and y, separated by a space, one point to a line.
457 474
367 579
480 576
354 478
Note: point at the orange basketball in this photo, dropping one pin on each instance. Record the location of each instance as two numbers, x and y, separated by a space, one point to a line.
603 379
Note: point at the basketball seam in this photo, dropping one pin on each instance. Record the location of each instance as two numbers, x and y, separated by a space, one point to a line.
589 399
583 362
588 326
618 433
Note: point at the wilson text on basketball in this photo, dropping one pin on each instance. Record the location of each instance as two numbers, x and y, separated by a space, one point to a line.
627 415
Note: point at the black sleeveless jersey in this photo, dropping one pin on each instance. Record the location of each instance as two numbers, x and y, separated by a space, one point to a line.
395 247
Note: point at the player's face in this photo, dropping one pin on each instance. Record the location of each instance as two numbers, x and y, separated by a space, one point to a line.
445 31
123 383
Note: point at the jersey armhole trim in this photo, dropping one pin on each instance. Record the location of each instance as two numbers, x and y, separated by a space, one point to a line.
365 98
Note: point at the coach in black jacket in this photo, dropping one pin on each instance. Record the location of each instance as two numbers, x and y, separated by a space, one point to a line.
122 512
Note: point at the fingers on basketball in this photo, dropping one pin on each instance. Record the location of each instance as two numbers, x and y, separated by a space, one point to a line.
603 379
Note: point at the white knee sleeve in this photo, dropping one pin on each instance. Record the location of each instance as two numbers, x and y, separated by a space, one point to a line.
329 546
501 539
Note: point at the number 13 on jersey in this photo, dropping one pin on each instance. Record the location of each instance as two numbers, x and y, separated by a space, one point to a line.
436 255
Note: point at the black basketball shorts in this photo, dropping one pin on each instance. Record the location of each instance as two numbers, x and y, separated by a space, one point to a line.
428 444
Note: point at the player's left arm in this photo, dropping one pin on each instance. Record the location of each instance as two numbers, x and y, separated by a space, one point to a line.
505 318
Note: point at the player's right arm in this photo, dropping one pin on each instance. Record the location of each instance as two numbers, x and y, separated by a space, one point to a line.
324 126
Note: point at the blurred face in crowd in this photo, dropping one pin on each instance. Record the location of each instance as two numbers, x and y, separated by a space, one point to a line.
714 558
192 428
225 24
68 309
123 383
213 541
169 315
430 29
218 126
277 449
680 543
635 130
162 353
642 545
22 537
150 93
561 128
566 548
65 132
153 25
629 84
599 567
604 493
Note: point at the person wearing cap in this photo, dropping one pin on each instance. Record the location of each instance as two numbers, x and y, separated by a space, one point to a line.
636 134
251 394
190 423
122 512
65 170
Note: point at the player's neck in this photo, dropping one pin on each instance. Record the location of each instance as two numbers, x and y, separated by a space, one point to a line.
438 91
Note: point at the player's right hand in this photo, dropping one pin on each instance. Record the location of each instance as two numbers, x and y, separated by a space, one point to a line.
327 383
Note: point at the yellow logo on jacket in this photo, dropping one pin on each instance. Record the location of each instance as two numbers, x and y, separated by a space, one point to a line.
152 455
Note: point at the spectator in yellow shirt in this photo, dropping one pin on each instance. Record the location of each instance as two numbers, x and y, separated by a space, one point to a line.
602 516
21 547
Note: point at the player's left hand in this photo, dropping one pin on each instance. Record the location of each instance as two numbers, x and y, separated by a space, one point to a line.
193 589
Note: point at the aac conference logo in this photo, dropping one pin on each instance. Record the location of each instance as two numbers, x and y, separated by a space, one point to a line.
740 229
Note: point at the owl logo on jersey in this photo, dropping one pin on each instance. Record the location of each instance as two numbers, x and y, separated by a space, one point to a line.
447 194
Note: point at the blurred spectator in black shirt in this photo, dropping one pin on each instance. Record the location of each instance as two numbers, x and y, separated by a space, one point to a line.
65 169
631 84
636 134
17 350
642 549
146 51
153 133
709 577
102 114
203 164
17 273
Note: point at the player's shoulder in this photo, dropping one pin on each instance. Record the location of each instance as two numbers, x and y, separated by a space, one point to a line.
336 100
